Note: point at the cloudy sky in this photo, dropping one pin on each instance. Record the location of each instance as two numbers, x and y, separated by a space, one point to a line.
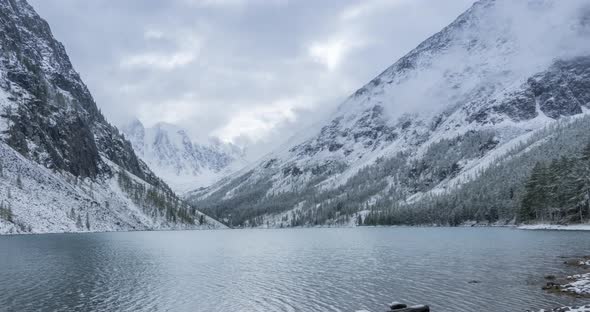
247 71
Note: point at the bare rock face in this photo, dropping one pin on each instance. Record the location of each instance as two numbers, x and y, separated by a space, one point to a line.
53 118
564 89
561 91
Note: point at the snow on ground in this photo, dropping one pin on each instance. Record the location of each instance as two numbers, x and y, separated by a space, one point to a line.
585 308
280 220
579 285
555 227
283 219
4 104
44 201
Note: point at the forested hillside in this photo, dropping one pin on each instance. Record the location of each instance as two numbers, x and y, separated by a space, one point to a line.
558 191
511 190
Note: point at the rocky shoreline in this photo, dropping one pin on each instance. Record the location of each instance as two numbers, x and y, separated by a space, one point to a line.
585 308
555 227
577 285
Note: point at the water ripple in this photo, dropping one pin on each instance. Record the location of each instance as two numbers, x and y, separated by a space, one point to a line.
329 270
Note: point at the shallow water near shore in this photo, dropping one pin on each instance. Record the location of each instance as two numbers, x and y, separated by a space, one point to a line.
286 270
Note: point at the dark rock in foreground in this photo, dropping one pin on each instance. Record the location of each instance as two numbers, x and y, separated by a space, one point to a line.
400 307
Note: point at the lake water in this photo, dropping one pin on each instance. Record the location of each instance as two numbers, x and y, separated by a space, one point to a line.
285 270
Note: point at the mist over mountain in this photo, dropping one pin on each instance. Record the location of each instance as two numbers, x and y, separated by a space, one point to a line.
181 162
482 91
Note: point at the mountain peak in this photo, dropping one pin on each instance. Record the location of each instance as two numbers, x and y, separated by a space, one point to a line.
431 121
183 163
491 40
55 141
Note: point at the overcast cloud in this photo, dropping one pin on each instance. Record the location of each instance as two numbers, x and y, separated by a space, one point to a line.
246 71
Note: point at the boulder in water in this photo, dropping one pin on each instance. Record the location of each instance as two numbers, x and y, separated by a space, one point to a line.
397 305
400 307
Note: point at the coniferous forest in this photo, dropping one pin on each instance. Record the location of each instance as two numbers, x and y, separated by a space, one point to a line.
535 182
558 191
552 162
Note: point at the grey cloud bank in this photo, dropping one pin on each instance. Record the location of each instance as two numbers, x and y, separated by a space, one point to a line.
251 72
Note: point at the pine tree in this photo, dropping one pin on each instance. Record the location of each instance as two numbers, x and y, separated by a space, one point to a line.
583 180
87 221
585 155
79 222
19 182
6 212
10 215
534 198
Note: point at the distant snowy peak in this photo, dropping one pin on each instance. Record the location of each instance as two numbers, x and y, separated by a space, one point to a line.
179 160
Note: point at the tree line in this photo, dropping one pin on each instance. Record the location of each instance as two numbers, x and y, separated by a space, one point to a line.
398 189
158 203
558 191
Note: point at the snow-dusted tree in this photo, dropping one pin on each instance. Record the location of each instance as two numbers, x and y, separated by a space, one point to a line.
19 182
583 180
87 221
6 211
79 224
10 215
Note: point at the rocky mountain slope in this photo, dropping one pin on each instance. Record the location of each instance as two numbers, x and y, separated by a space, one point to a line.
64 167
471 94
181 162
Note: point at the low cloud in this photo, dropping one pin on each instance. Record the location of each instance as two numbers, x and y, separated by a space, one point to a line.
159 61
252 72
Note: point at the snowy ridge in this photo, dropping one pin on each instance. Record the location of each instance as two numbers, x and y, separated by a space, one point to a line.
52 202
64 167
182 163
476 80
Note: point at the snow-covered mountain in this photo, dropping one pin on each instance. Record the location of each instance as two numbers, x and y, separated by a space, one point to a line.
184 164
64 168
452 107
